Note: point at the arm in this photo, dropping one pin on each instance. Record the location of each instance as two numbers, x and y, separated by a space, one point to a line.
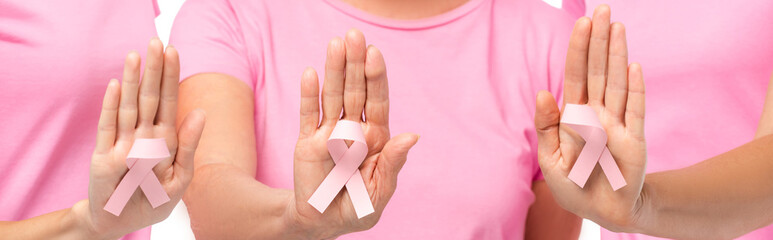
723 197
224 199
765 126
711 195
62 224
225 164
547 220
130 110
720 198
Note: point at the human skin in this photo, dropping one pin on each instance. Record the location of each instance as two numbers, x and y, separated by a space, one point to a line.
130 110
720 198
765 126
280 213
229 176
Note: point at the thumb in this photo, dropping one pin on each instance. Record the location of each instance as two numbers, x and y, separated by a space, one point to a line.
393 157
395 153
546 121
188 136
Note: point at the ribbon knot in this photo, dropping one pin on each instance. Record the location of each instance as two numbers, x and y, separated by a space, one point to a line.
584 120
346 171
143 156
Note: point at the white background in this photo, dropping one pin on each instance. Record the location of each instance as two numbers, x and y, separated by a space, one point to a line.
177 226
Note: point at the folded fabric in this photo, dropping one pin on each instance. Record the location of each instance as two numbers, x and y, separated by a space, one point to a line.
584 120
346 171
143 156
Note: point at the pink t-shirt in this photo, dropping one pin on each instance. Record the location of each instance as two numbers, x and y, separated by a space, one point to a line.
465 80
706 65
56 58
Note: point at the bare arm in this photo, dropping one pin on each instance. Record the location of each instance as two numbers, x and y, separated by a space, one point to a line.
547 220
130 110
224 199
720 198
224 180
62 224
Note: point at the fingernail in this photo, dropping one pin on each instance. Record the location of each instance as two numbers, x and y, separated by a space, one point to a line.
133 53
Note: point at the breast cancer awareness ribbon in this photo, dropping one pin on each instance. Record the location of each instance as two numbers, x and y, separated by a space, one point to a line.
584 120
346 171
143 156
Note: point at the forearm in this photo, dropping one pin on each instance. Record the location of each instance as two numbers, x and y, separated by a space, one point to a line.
547 220
227 203
224 200
63 224
723 197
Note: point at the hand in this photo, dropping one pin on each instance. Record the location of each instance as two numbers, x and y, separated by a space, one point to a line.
355 80
597 52
146 110
765 127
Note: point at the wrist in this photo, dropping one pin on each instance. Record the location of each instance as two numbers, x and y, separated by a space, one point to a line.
644 210
300 226
252 209
85 228
294 226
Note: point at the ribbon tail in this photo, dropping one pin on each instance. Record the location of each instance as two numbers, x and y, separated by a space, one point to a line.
334 182
152 188
358 193
346 172
611 170
125 189
587 159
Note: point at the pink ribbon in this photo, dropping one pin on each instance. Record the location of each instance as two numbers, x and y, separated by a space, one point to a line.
584 120
346 171
143 156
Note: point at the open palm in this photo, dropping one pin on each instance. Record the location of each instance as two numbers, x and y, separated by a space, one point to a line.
597 74
148 110
355 82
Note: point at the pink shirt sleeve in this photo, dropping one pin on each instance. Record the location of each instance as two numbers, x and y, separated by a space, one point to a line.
209 38
575 8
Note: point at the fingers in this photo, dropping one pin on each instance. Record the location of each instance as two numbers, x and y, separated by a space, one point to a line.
377 102
395 154
188 138
127 113
354 83
597 56
617 81
151 83
546 121
634 110
333 88
107 118
576 72
167 108
309 103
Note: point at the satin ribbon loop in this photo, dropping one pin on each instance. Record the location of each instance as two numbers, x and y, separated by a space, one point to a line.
143 156
346 171
584 120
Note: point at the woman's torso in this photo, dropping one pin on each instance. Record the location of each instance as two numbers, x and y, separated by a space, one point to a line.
55 61
465 81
